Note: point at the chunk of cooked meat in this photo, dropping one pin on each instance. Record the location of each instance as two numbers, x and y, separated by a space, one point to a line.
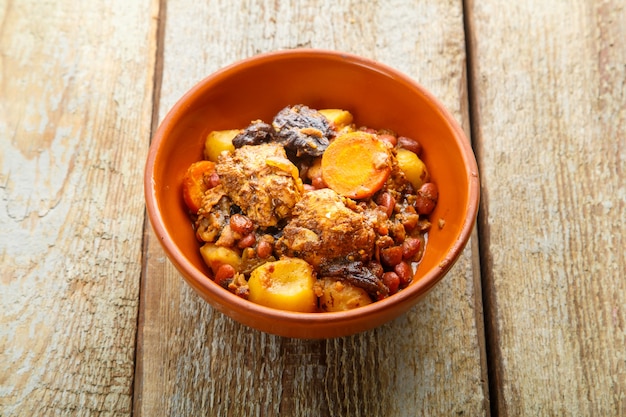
256 133
323 228
214 214
303 130
261 181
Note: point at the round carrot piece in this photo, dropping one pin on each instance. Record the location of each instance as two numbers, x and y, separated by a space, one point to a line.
356 165
196 182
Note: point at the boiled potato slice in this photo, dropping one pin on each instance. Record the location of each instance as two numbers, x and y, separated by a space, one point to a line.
413 167
286 284
339 295
219 141
216 256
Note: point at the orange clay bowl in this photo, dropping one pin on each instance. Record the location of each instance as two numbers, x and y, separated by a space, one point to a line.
257 88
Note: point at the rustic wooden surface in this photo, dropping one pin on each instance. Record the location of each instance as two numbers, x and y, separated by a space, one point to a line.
549 83
94 320
75 113
427 362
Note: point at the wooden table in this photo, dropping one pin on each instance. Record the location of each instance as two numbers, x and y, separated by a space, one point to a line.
531 321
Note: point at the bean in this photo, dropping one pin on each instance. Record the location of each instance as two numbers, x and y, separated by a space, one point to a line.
224 274
213 180
410 248
246 241
392 281
424 205
241 224
404 272
387 202
391 256
429 190
427 197
264 249
410 145
390 139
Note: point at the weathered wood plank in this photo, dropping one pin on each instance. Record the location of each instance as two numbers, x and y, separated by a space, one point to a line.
76 82
550 92
194 361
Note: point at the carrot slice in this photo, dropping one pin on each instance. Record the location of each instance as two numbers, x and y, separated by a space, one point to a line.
196 182
356 165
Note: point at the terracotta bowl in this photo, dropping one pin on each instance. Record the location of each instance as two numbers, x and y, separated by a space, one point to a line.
257 88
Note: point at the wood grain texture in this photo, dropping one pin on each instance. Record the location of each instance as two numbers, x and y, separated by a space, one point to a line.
75 106
194 361
550 129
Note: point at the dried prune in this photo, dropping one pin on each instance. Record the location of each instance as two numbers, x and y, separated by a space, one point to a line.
256 133
303 130
357 274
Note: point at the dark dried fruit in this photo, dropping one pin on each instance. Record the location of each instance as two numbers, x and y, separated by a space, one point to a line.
257 133
357 274
302 130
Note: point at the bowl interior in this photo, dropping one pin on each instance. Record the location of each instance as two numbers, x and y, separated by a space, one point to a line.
257 89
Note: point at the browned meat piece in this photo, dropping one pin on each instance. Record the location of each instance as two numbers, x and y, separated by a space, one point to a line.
261 181
303 130
257 133
323 228
213 215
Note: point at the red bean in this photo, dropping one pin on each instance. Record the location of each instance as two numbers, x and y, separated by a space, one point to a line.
264 249
391 256
213 180
429 190
410 145
392 281
427 197
387 202
404 272
241 224
246 241
224 274
410 248
390 139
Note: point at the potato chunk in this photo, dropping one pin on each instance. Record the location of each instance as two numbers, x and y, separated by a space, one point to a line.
338 295
219 141
286 284
413 167
216 256
337 117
